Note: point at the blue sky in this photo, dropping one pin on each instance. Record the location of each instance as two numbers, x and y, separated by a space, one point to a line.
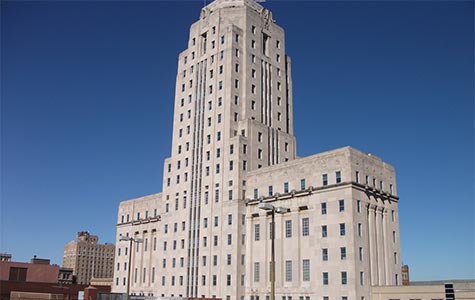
87 91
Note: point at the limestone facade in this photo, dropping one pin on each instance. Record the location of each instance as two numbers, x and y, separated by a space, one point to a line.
232 140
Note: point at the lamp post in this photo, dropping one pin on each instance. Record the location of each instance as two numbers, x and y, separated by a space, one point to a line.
273 210
131 241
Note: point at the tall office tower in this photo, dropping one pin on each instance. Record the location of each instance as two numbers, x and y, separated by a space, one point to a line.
233 137
88 258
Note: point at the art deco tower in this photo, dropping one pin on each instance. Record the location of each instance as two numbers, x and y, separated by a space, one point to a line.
233 114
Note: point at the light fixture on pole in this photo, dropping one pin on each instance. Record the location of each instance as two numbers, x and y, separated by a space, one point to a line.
131 240
280 210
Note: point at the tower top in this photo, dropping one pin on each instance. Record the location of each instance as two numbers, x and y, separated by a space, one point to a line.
253 4
217 4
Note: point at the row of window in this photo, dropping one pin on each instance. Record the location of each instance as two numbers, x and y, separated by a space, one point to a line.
305 267
303 184
126 218
204 41
288 229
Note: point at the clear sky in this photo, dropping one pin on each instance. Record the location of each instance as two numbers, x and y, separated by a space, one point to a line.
87 92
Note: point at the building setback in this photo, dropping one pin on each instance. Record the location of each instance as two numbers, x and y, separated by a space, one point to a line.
88 258
233 147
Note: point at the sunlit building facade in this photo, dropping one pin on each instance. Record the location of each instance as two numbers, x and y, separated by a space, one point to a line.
233 147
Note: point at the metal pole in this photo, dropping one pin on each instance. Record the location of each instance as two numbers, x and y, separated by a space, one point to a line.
272 253
128 271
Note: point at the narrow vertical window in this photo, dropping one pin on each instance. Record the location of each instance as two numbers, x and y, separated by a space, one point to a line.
288 270
305 226
288 228
306 270
341 205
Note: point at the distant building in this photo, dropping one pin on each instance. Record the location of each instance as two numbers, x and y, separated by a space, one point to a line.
38 270
405 275
38 280
66 276
88 258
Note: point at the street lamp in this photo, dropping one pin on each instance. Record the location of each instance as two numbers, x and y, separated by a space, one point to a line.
131 240
273 210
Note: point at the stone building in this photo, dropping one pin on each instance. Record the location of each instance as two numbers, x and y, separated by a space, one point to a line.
88 258
233 147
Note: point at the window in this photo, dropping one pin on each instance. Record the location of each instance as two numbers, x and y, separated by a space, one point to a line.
288 270
361 278
215 280
338 176
324 208
215 240
325 179
256 193
270 190
288 228
360 229
325 254
230 239
286 187
257 233
344 278
305 227
259 136
17 274
358 206
306 270
230 195
325 278
256 272
343 253
215 260
324 231
222 39
360 253
228 259
341 205
302 184
231 149
228 279
342 229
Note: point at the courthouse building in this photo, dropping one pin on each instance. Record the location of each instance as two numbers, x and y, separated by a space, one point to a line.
234 147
